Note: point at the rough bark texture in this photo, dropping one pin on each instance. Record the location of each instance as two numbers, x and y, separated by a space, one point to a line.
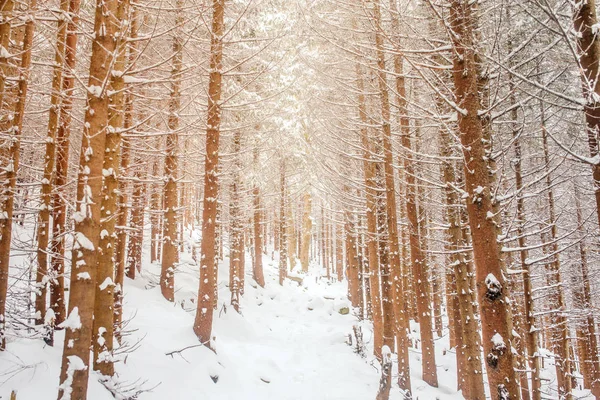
491 286
590 362
104 298
371 235
470 376
257 269
283 228
170 252
8 174
588 45
208 273
559 332
43 233
306 232
78 336
59 205
237 228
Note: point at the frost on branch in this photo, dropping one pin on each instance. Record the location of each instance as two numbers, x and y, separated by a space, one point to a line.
494 288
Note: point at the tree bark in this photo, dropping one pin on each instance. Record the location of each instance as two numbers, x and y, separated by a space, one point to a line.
59 204
170 251
43 233
78 336
103 328
257 270
491 286
208 272
588 46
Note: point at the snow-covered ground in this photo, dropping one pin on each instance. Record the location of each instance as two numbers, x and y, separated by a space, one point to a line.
289 342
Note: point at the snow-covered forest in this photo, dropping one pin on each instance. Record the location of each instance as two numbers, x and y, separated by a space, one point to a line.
299 199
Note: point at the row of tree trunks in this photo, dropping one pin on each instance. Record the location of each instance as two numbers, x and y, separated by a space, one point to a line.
43 233
11 124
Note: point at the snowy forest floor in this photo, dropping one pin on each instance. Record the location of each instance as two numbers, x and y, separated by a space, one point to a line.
289 342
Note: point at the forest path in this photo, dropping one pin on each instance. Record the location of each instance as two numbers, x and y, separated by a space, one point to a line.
289 342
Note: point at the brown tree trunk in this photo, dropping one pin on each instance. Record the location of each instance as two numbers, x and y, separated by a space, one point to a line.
78 335
6 9
491 286
291 233
559 336
208 276
470 375
401 322
339 252
374 296
6 13
588 46
170 251
352 264
122 198
43 233
257 270
103 328
592 361
156 213
8 176
306 232
59 204
136 226
237 229
283 228
422 290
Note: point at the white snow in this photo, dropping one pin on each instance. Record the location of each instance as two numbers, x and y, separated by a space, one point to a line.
73 322
81 241
498 341
301 353
106 283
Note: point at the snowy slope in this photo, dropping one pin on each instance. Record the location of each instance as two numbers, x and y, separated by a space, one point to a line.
288 343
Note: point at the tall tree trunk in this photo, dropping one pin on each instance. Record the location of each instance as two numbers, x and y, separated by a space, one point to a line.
78 336
491 286
103 328
371 235
170 251
8 176
6 15
352 264
590 340
470 376
585 22
306 232
208 276
283 228
43 233
257 270
237 229
560 330
122 197
59 203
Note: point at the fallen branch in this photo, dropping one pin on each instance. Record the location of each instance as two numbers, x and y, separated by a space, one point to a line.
186 348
